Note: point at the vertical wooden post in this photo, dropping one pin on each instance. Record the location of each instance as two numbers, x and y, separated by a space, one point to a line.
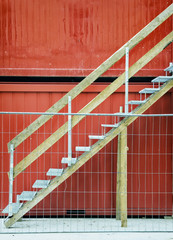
123 178
118 202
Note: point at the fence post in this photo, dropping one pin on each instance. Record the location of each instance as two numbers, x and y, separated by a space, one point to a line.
123 177
11 180
118 216
121 185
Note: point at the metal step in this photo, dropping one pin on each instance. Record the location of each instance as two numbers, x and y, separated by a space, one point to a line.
136 102
170 68
110 125
41 184
96 136
149 90
55 172
83 149
26 196
66 160
15 207
162 79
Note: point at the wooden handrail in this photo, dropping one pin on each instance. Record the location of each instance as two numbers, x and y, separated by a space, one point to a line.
92 77
87 155
22 165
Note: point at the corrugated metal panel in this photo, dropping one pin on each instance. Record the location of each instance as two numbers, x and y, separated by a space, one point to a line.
71 38
149 193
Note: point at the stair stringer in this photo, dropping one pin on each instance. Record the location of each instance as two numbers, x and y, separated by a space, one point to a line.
87 155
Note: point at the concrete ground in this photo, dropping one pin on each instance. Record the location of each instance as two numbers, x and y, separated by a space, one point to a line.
94 225
89 236
88 229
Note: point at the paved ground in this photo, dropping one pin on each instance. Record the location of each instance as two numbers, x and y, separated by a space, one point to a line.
75 225
89 236
93 228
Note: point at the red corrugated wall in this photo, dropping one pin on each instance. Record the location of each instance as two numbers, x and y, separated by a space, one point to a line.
93 187
71 38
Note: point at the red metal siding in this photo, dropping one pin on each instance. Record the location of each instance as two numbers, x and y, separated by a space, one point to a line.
71 38
92 187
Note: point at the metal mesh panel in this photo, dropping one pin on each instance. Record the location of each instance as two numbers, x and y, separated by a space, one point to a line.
86 200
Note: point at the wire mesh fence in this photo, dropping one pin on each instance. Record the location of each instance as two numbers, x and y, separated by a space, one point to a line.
86 200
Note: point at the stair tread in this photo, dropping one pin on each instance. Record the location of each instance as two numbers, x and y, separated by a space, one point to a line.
66 160
96 136
15 207
55 172
27 195
136 102
83 149
110 125
41 184
162 79
170 68
149 90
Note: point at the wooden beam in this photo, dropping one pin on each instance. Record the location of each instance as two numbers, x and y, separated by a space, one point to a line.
123 177
87 155
118 207
121 192
21 166
92 77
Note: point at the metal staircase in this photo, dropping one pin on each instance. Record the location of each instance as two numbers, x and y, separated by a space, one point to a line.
28 199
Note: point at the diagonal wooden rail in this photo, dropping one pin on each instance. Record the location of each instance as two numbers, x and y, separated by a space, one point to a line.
22 165
92 76
87 155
